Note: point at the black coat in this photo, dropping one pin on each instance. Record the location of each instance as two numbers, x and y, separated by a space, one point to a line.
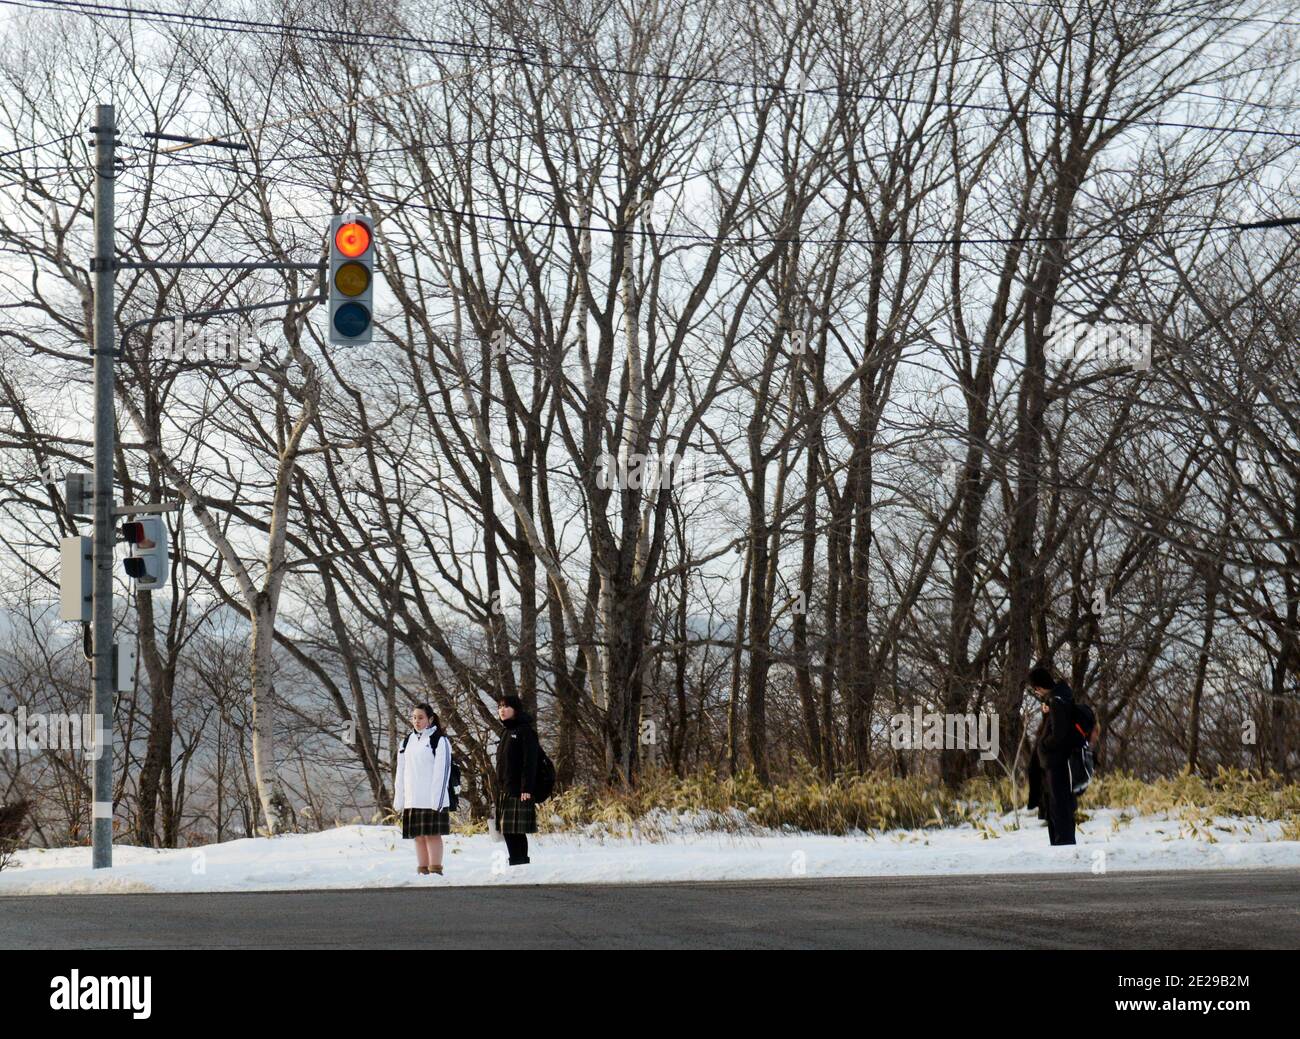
1035 774
1058 736
517 755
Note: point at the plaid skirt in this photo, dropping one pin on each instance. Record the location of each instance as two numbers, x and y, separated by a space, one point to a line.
516 816
425 822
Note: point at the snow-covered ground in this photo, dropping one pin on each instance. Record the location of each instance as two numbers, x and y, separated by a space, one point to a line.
376 856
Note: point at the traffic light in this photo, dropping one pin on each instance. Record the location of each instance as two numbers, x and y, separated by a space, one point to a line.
352 281
148 562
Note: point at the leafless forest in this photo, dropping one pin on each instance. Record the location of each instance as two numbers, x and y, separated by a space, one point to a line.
714 408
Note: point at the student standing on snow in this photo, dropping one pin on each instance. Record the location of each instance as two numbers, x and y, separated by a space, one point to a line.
1056 739
517 757
420 794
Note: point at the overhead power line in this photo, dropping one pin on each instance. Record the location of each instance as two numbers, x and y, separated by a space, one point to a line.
517 55
957 240
1218 19
42 144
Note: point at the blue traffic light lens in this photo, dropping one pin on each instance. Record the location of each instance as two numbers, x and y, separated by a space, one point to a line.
351 320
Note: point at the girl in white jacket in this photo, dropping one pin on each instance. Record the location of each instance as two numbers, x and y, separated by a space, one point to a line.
420 794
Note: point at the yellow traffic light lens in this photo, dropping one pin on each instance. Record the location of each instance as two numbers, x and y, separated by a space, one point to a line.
352 239
352 279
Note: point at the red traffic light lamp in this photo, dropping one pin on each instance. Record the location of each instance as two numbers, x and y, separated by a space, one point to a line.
352 239
136 535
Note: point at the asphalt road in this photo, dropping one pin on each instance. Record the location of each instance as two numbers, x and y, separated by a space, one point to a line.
1209 910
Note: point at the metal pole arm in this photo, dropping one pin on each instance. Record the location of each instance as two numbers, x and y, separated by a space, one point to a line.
150 265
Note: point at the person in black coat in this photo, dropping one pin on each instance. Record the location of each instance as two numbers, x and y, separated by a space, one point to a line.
1057 737
1034 770
517 758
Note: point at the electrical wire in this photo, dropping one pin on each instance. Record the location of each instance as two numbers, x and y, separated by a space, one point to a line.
1275 222
33 147
367 39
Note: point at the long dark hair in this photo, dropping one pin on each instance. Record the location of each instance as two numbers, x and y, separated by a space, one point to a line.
428 713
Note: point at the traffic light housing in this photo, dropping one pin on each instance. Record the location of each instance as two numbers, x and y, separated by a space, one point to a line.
352 281
148 564
76 579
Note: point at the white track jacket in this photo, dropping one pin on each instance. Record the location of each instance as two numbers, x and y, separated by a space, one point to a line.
423 772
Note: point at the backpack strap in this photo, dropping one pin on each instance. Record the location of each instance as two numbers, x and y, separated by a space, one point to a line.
405 740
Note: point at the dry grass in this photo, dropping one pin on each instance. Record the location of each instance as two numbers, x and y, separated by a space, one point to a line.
13 828
1229 792
662 804
741 804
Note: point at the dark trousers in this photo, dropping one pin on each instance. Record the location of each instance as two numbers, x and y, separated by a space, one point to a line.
517 846
1060 805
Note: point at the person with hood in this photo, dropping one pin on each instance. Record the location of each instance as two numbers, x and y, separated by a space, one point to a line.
517 758
420 788
1057 738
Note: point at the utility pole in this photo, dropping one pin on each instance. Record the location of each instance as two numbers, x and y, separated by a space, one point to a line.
102 266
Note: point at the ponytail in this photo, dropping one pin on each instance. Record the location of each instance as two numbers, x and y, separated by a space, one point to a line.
434 723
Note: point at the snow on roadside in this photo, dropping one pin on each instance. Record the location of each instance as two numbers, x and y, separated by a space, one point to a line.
376 857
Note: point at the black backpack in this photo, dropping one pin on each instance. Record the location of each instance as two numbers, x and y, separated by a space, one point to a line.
453 777
1082 761
544 784
1085 722
544 781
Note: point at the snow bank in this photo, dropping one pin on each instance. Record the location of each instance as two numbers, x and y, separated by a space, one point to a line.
376 856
